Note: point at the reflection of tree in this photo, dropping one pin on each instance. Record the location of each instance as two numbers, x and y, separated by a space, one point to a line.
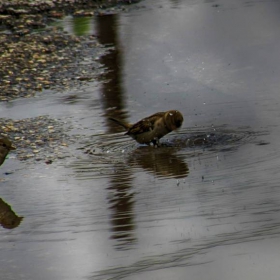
121 203
112 89
81 25
8 218
162 162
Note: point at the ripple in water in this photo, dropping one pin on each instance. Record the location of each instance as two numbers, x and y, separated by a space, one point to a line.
107 152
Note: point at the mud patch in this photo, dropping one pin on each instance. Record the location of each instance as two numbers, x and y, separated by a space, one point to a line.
46 61
38 139
36 56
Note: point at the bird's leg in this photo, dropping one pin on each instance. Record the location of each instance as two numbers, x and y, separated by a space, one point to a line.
156 143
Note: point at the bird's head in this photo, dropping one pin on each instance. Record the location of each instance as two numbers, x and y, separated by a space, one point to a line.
174 119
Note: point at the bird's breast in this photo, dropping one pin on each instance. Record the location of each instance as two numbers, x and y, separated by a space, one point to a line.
157 132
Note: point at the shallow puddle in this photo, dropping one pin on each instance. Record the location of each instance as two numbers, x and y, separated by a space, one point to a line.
204 205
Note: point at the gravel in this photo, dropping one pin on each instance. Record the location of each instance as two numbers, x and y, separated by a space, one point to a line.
35 56
38 139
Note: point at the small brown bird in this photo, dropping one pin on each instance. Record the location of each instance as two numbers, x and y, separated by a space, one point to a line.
5 147
151 129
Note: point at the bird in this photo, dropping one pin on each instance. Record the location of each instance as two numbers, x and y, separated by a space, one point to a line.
151 129
5 147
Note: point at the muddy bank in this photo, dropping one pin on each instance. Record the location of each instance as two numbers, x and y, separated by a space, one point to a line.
35 56
38 139
35 62
17 7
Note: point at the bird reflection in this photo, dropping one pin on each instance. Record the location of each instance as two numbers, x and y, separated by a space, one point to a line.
8 218
161 162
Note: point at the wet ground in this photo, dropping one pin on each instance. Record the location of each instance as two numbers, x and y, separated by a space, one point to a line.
205 205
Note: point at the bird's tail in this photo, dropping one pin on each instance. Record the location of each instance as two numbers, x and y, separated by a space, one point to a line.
121 123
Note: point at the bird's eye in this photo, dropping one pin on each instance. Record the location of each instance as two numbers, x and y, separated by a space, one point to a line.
4 145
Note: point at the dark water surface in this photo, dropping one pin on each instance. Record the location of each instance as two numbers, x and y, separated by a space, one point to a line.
188 210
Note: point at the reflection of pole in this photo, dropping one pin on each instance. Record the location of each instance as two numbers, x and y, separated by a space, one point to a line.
121 203
112 89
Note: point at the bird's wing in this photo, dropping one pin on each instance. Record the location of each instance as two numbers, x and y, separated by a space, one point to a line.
146 124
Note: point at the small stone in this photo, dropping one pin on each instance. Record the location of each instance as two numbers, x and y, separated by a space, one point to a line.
29 155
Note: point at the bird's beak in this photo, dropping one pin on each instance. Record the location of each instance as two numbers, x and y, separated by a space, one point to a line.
176 128
13 148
